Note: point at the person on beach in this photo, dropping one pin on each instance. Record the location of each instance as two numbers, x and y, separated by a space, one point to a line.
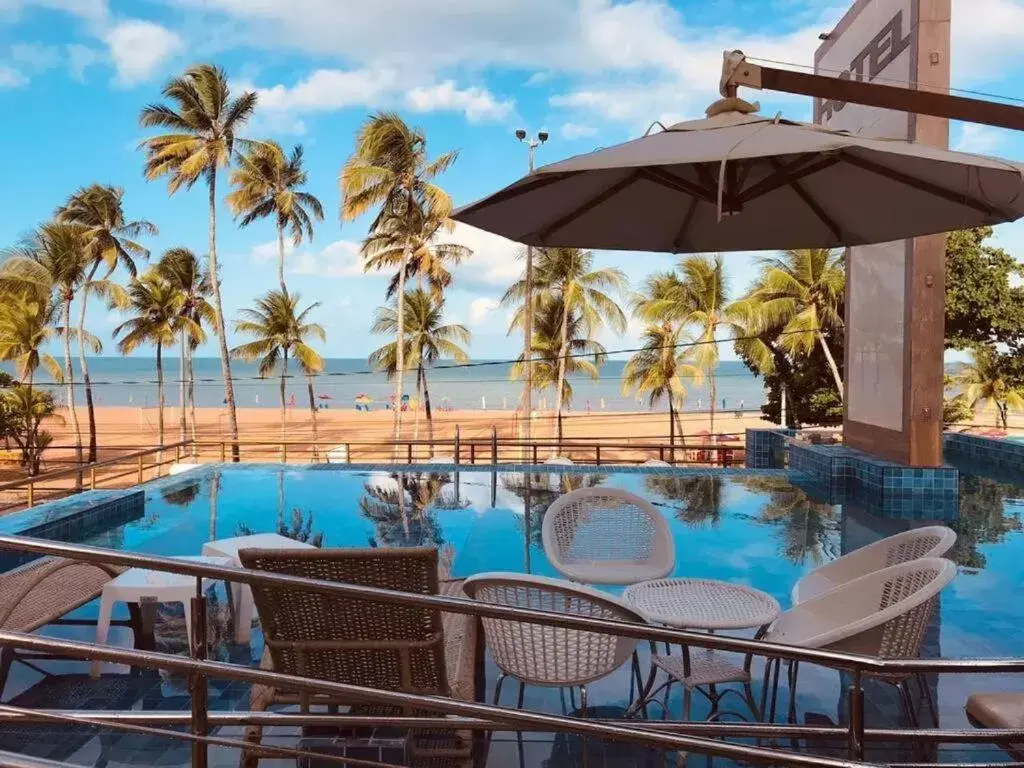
483 402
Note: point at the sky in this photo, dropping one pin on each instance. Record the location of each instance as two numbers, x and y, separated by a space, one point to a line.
75 73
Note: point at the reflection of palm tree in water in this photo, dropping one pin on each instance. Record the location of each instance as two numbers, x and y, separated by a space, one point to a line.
402 510
983 518
539 490
700 495
808 529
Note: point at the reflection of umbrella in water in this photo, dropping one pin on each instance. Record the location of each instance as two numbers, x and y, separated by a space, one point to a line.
742 181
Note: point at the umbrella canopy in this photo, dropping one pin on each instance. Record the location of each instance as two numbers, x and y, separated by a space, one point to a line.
742 181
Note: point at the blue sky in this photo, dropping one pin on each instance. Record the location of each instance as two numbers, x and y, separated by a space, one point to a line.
74 74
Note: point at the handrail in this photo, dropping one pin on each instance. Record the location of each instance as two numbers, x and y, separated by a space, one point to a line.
640 631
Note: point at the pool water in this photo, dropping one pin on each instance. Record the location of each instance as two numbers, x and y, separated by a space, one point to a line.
745 526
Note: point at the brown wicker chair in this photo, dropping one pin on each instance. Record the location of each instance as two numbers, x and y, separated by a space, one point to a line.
387 647
42 592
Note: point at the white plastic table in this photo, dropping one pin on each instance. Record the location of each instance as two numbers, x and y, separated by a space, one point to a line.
139 584
709 605
229 548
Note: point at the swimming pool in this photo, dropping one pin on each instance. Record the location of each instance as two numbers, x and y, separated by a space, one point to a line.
748 526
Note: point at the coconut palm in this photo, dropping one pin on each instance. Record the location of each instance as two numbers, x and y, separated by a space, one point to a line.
279 330
801 292
204 123
110 240
427 340
808 529
984 384
658 369
26 326
429 259
26 409
180 268
389 168
267 183
702 496
583 293
156 306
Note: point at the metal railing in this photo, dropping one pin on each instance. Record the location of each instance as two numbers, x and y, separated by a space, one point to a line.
703 737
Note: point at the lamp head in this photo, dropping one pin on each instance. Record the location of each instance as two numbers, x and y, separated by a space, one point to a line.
543 136
520 134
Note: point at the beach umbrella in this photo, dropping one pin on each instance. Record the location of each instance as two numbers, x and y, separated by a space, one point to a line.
363 399
738 180
325 396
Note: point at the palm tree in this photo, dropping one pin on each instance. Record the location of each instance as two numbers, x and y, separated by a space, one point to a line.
809 529
204 125
801 291
984 383
699 299
26 326
110 239
659 368
267 183
702 496
27 409
156 305
389 168
582 293
279 329
384 249
180 268
427 340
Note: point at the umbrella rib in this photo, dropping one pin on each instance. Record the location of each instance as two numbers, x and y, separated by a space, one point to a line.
681 235
586 207
672 181
924 186
810 202
787 175
542 180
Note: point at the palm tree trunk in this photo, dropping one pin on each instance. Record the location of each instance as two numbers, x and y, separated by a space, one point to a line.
563 352
419 395
280 257
192 400
426 408
713 392
832 365
671 431
214 490
90 410
160 396
182 425
400 348
312 411
284 408
69 376
218 320
782 406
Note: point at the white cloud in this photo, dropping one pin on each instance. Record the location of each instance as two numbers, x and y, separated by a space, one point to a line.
328 89
495 261
80 58
480 308
87 9
986 40
11 77
573 131
337 259
979 139
35 56
139 48
476 103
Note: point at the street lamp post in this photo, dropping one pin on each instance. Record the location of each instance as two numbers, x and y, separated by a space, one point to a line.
531 145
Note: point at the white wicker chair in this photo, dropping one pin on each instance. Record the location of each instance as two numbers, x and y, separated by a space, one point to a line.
607 536
554 657
931 541
559 461
882 614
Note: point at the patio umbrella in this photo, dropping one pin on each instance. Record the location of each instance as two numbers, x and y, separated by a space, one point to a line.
325 396
742 181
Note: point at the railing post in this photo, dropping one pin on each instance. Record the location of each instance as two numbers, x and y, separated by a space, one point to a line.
597 454
661 452
534 453
92 478
458 445
856 702
197 643
408 453
177 452
472 453
494 444
31 494
284 453
223 451
140 467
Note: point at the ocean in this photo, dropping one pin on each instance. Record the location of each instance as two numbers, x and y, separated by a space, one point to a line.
120 381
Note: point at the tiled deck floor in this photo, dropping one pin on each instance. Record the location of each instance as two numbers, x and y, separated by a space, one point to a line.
819 700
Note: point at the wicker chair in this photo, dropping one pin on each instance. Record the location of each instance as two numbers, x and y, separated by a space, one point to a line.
883 614
559 461
382 646
931 541
554 657
607 536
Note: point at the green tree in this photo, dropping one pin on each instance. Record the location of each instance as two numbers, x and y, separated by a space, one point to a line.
26 326
280 330
180 268
658 370
268 183
701 496
984 384
584 295
984 298
111 241
427 339
26 409
204 123
389 168
156 305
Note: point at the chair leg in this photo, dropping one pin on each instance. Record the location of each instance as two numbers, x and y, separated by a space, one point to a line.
583 700
519 734
497 688
926 693
775 687
687 702
794 671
